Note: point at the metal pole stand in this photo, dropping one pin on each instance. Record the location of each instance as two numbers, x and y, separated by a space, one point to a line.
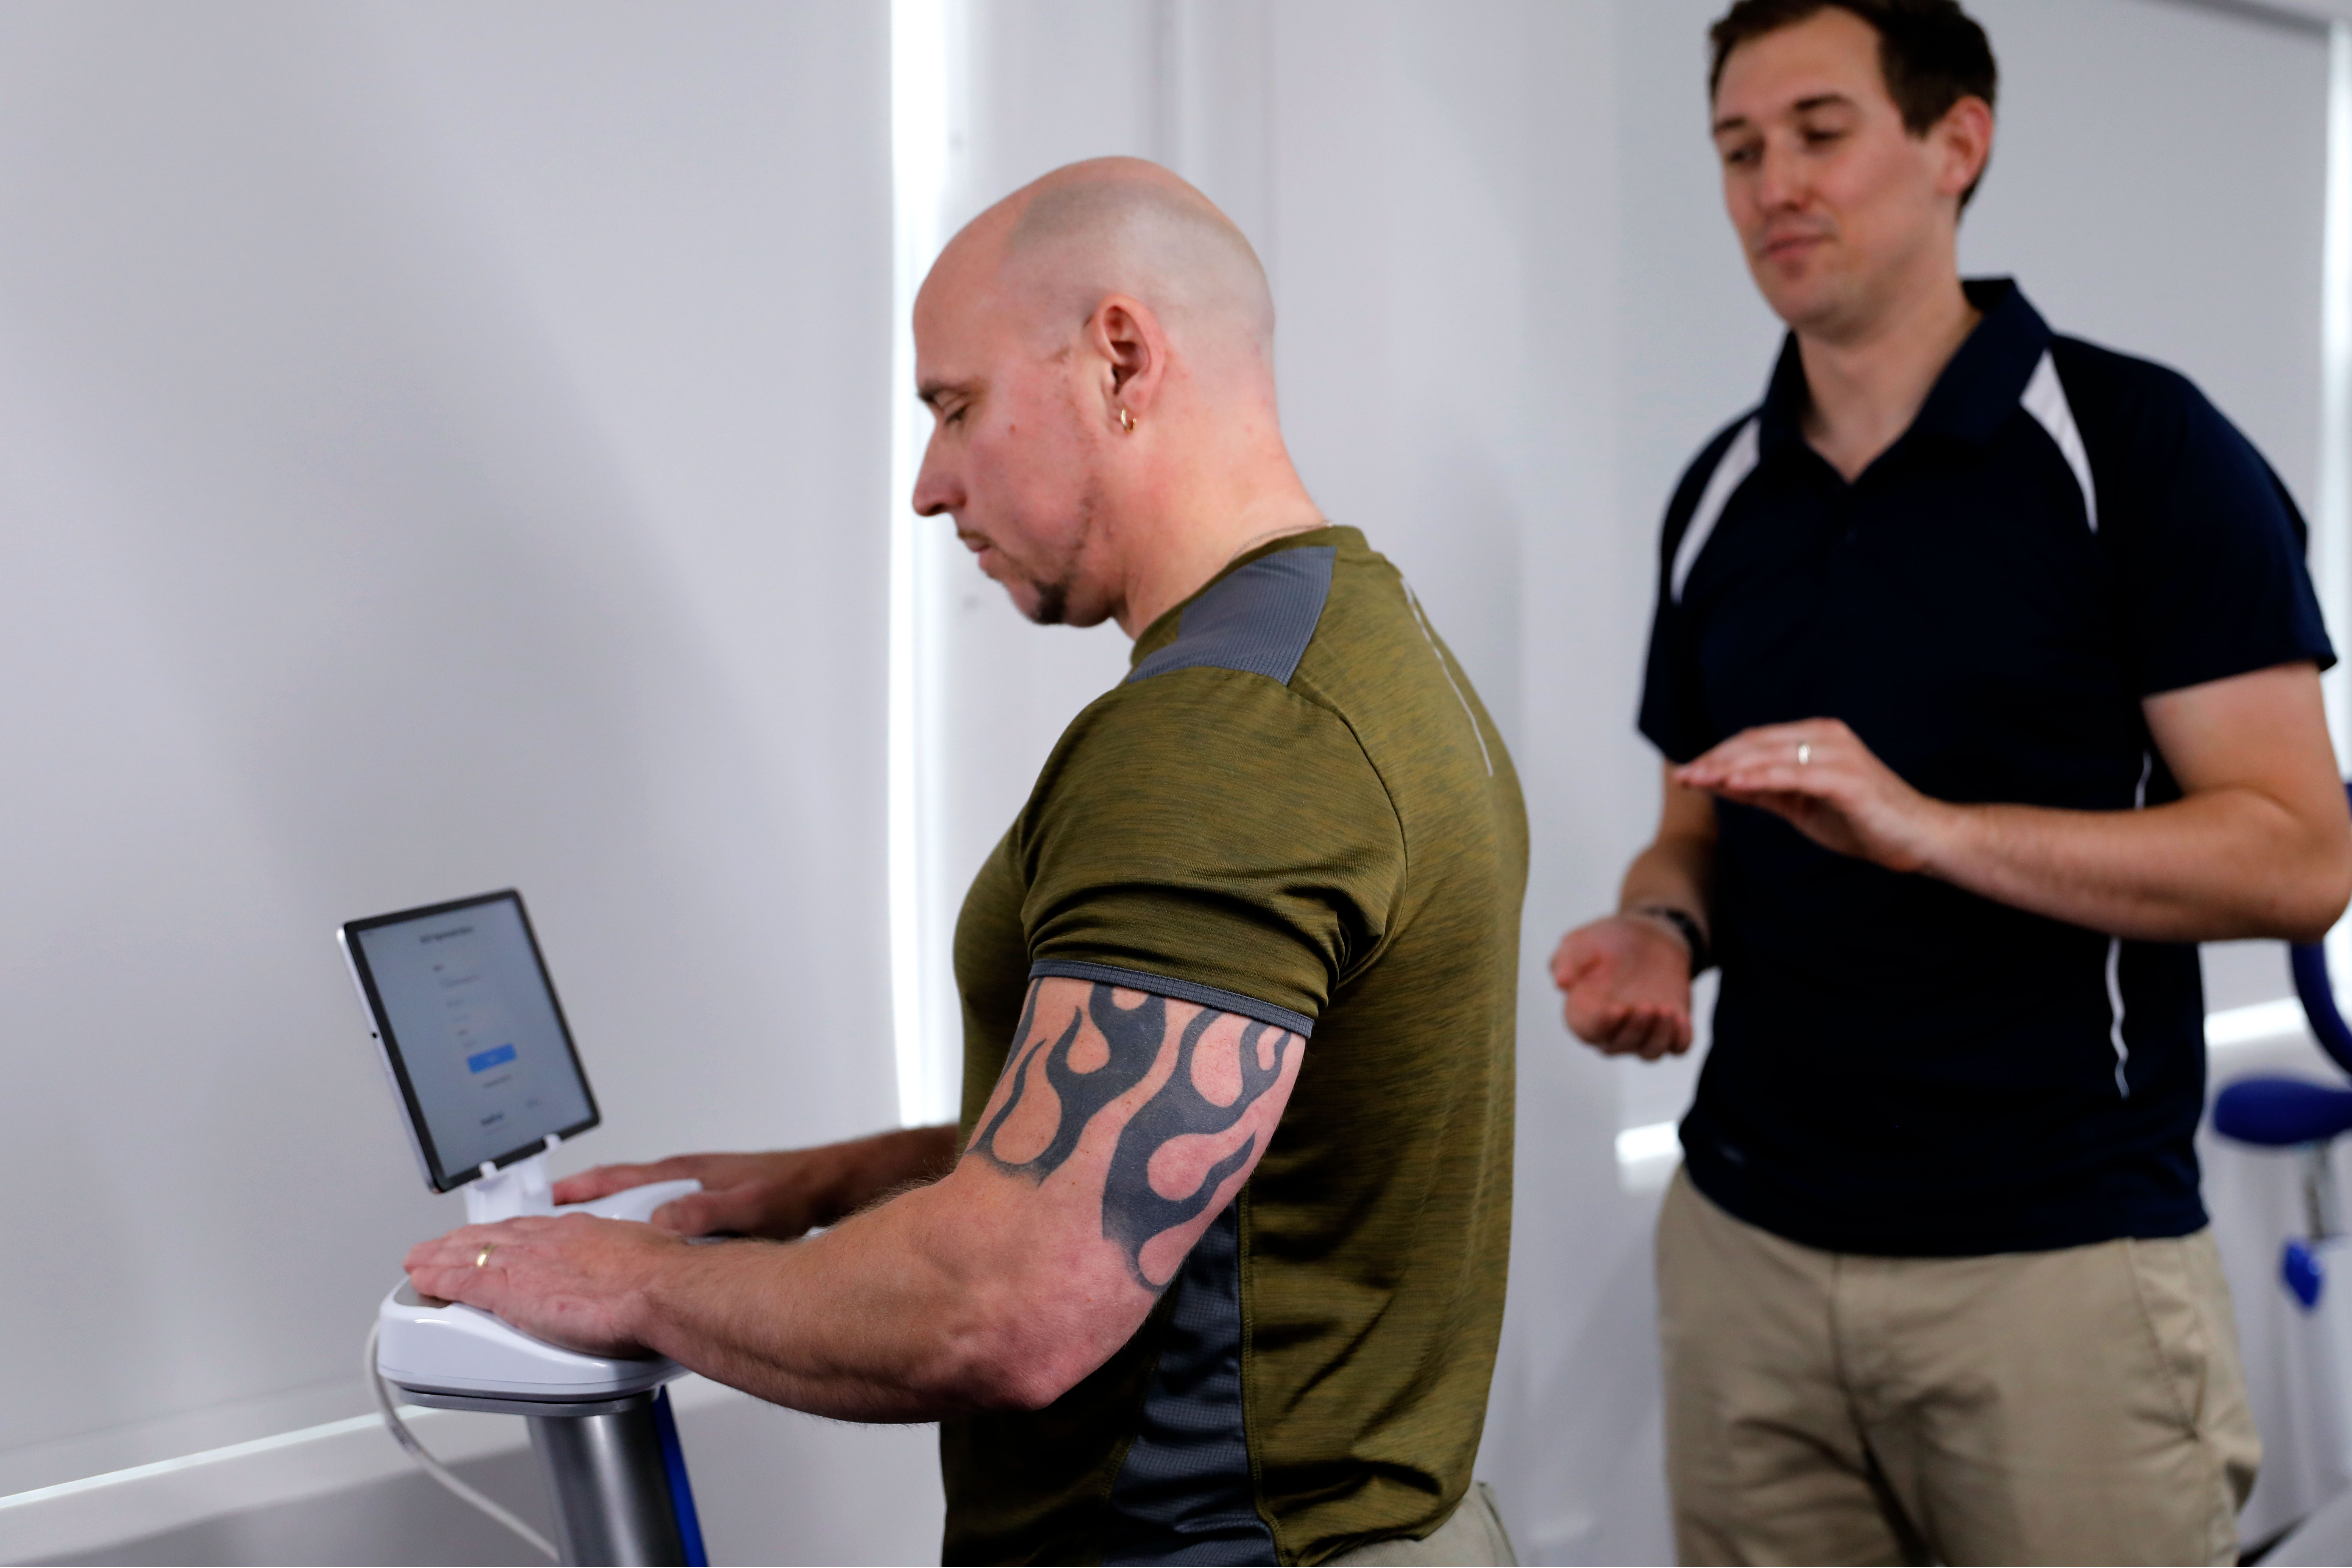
608 1470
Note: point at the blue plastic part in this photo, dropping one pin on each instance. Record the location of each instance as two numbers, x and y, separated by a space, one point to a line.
2281 1112
2309 967
2304 1275
2308 963
681 1491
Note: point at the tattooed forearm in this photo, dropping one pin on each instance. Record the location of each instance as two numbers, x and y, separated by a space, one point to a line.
1085 1071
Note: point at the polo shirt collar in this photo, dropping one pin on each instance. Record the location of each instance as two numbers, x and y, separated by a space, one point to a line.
1978 390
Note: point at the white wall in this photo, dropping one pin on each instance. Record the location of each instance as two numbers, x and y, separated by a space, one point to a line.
446 449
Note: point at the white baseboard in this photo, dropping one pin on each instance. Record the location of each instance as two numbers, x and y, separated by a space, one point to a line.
86 1514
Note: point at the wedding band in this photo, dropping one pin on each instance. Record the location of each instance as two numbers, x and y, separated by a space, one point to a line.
1804 753
484 1255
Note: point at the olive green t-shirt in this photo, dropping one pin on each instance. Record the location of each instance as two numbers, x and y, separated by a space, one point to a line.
1295 808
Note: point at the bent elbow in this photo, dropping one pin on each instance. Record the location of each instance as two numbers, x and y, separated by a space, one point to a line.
2305 933
2322 891
2327 905
1027 1387
1026 1371
1011 1360
2310 932
1022 1385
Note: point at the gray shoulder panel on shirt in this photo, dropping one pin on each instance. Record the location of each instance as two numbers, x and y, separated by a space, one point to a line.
1258 621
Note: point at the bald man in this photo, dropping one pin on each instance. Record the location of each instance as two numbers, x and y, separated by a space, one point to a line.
1212 1270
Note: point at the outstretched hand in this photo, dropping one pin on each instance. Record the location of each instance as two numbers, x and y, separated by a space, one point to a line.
780 1195
1627 980
1819 777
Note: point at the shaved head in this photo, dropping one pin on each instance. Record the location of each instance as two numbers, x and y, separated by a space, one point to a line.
1053 251
1120 225
1096 354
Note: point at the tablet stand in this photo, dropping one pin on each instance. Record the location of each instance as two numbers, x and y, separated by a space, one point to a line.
522 1188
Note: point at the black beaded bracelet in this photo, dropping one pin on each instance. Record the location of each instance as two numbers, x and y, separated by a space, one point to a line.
1694 934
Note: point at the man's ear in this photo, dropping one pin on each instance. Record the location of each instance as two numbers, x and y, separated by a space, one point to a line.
1964 137
1126 339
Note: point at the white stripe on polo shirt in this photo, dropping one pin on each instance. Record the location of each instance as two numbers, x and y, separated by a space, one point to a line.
1739 460
2115 958
2046 401
2043 397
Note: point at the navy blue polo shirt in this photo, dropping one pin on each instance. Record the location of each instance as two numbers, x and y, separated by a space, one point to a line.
1901 1067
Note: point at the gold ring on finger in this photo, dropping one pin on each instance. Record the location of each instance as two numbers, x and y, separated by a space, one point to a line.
483 1257
1804 753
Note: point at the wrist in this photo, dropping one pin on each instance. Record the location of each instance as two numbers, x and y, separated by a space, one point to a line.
643 1306
1686 926
1942 845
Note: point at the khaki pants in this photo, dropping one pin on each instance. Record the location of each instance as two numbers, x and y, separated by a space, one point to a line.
1471 1537
2082 1405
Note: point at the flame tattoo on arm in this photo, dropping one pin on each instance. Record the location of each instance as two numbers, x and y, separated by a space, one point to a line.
1134 1212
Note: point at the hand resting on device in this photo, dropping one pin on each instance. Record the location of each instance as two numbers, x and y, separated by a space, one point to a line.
780 1194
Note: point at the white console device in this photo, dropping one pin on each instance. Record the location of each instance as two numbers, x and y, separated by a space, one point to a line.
483 1068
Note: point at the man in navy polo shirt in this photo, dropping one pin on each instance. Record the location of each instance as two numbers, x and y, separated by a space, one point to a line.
1986 666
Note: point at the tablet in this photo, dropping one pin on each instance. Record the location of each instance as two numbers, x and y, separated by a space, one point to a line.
473 1039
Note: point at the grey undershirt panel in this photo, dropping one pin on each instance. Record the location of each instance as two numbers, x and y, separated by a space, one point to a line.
1183 1493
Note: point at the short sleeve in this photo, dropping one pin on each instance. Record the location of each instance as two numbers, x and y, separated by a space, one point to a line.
1215 830
1674 708
1674 697
2208 544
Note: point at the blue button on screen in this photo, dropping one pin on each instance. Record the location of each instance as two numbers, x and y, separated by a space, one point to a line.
484 1061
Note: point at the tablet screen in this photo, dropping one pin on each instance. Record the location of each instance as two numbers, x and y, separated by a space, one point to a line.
471 1032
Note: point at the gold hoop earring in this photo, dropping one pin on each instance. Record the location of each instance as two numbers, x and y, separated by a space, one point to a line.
1127 421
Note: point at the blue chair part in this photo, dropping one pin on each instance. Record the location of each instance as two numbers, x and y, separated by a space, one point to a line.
2308 963
2281 1112
2305 1277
